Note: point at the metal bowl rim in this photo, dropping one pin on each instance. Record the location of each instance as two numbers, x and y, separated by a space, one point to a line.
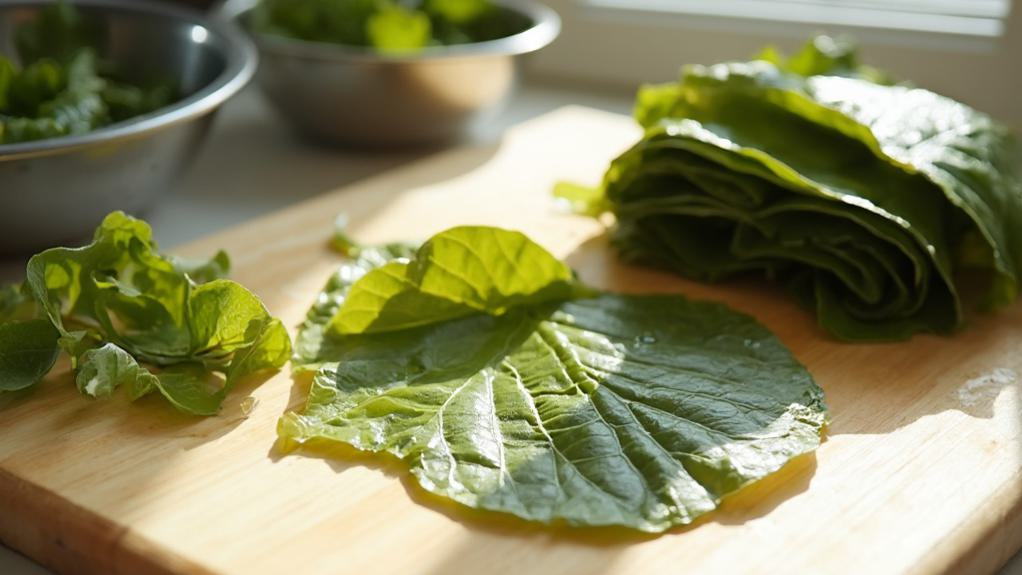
545 28
241 61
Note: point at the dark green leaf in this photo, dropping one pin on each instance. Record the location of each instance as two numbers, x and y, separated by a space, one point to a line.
621 410
865 199
28 350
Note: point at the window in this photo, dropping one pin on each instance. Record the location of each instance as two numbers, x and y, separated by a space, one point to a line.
965 17
970 50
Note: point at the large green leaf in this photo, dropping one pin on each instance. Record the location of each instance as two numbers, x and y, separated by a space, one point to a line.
866 199
641 411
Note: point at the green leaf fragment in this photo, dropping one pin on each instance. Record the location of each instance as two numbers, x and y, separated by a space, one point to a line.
397 29
28 350
16 303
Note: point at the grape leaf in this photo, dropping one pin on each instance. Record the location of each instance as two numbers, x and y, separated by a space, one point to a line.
591 409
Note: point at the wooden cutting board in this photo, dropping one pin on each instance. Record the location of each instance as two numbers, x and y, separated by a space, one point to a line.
921 472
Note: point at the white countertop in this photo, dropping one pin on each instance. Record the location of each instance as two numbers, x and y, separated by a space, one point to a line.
253 165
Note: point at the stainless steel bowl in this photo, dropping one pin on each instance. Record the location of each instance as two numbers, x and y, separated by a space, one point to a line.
355 96
55 191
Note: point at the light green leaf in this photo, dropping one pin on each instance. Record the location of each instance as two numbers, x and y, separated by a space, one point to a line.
121 297
312 345
28 350
269 349
103 369
458 272
641 411
223 315
396 29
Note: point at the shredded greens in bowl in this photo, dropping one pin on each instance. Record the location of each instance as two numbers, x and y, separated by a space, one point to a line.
507 385
388 26
867 199
62 87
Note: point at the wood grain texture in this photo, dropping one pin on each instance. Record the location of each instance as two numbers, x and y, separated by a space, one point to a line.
921 472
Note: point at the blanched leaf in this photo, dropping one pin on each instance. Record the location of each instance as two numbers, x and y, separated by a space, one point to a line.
461 271
865 199
28 350
641 411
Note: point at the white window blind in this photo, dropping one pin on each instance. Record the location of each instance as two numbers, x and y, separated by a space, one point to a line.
984 18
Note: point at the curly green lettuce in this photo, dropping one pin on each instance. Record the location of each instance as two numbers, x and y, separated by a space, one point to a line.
129 317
